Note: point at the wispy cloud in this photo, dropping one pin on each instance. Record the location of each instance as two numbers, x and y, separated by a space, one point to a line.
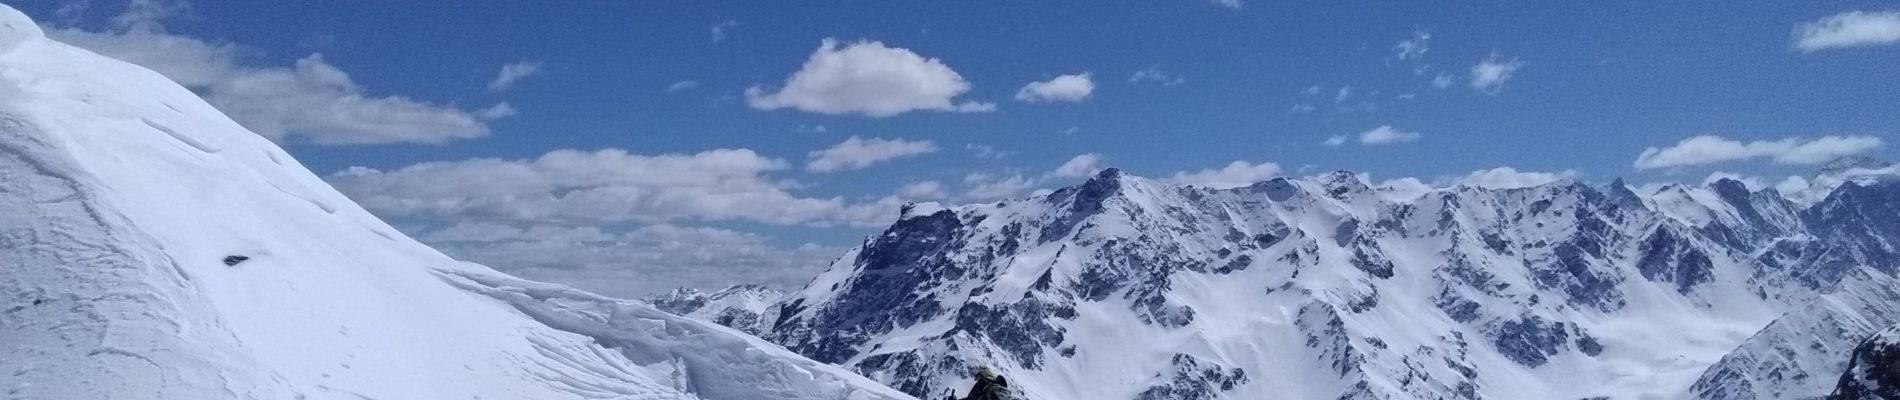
1849 29
1711 149
512 73
1490 74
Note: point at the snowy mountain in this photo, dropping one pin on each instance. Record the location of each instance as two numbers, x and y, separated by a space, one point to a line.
742 307
1874 373
1329 288
154 249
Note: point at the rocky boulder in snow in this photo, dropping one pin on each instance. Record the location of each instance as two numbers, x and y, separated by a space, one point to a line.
1874 372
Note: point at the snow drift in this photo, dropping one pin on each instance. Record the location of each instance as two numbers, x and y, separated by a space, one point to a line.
154 249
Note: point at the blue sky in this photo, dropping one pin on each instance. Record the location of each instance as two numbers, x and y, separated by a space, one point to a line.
940 92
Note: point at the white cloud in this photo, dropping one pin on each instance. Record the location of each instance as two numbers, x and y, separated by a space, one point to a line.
1387 135
923 190
1345 92
1711 149
1507 178
604 186
983 186
870 79
1404 188
681 86
1235 174
1080 166
1442 81
1414 47
1300 109
1153 74
1311 90
987 151
1233 4
719 30
512 73
631 263
1070 88
310 100
1335 141
1849 29
1490 74
857 153
1792 185
498 111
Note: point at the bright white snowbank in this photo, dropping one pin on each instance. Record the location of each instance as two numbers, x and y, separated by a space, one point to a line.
122 194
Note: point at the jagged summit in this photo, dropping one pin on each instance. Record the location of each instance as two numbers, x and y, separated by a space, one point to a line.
155 249
1323 287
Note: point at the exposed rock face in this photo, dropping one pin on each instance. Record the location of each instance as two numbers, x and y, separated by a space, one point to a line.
1329 288
1874 372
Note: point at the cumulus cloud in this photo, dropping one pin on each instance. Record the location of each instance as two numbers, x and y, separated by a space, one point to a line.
1490 74
869 79
1069 88
1386 135
1231 4
604 186
857 153
1235 174
1080 166
1848 29
1711 149
1508 178
512 73
631 262
1335 141
311 100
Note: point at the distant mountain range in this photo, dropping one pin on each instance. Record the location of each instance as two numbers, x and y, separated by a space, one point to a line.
1327 287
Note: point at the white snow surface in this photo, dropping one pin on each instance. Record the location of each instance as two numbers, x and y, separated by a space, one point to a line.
1324 288
122 194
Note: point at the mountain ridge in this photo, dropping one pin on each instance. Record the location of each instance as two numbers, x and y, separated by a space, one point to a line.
1539 291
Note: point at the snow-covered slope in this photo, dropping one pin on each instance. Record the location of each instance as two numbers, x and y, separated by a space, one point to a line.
154 249
742 307
1327 288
